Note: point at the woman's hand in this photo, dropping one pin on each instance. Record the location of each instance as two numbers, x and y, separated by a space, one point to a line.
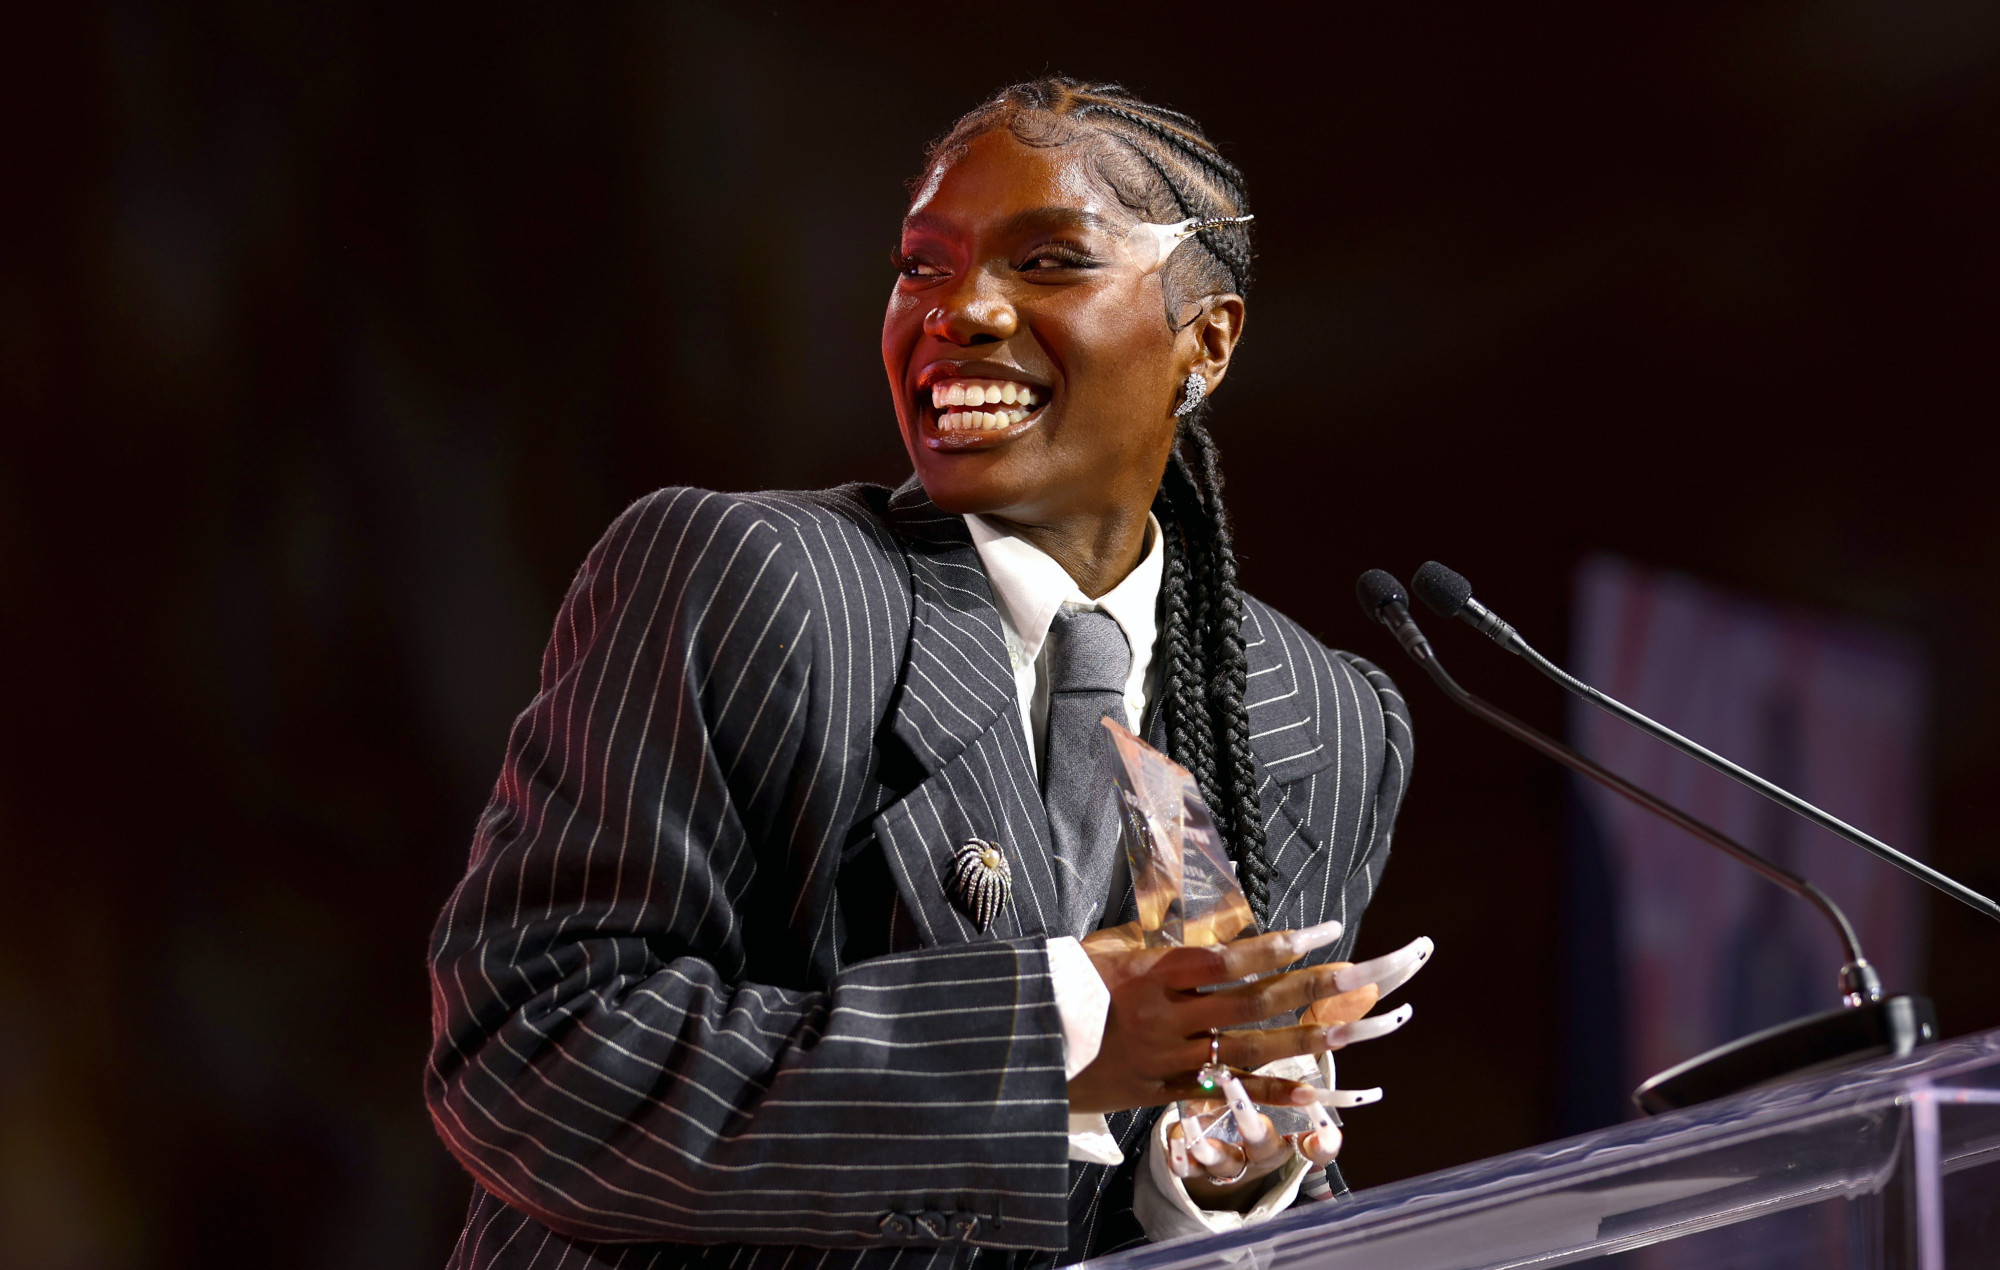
1227 1175
1156 1034
1342 1007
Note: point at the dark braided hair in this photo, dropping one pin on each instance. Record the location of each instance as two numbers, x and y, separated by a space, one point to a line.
1162 167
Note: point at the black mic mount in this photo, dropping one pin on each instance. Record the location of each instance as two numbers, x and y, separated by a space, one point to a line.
1866 1026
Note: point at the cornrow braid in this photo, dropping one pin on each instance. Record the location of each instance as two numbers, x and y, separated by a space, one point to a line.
1164 168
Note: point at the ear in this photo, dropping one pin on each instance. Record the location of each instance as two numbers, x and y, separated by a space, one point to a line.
1212 336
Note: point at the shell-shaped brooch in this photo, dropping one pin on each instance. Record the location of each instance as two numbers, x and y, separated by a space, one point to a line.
981 881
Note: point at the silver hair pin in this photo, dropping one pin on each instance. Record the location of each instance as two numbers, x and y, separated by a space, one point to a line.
1159 241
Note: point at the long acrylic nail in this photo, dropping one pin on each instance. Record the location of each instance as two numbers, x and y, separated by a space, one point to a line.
1314 937
1344 1034
1249 1122
1302 1096
1388 972
1326 1134
1205 1151
1349 1097
1177 1156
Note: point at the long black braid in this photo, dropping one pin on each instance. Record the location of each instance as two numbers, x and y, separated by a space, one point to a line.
1165 169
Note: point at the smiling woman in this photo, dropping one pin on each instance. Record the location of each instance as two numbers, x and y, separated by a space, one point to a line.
798 920
1019 260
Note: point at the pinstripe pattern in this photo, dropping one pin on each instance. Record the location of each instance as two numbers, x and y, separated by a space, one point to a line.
701 998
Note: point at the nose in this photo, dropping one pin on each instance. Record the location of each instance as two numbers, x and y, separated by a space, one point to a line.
973 312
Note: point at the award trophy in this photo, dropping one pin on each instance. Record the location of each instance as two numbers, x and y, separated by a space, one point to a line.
1188 896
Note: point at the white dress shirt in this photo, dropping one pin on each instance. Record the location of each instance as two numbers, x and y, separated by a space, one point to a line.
1029 589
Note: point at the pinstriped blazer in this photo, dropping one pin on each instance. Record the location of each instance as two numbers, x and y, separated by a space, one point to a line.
701 995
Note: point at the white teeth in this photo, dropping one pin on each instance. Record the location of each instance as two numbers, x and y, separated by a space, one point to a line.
948 394
989 393
980 420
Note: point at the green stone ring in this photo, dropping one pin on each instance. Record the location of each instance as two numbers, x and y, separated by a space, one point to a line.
1211 1074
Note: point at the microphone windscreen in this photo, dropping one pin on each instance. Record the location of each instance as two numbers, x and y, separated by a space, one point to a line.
1378 589
1440 588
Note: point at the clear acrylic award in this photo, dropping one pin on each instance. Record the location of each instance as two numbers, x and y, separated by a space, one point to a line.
1187 894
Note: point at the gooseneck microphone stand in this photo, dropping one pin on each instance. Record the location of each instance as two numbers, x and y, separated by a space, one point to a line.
1866 1025
1450 595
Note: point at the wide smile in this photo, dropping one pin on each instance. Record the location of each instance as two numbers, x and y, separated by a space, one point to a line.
968 413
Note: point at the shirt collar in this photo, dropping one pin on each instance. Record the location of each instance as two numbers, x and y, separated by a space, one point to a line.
1029 586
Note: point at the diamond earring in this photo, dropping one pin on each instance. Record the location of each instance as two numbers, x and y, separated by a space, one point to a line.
1192 393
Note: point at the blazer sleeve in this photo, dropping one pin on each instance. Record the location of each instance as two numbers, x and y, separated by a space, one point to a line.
1384 800
599 1060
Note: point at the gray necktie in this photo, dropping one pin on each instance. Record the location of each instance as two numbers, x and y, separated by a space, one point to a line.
1088 662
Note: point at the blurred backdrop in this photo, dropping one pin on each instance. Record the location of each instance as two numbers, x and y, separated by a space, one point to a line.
332 334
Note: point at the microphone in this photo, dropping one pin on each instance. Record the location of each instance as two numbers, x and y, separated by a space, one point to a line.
1866 1027
1383 598
1450 595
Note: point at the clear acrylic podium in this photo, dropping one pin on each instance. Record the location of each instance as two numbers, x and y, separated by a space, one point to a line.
1888 1164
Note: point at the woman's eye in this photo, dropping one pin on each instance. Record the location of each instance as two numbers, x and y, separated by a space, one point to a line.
1046 260
917 268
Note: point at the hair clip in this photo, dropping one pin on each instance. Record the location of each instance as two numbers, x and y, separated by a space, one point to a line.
1154 243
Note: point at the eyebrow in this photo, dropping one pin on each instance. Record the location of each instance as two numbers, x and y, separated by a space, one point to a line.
1031 219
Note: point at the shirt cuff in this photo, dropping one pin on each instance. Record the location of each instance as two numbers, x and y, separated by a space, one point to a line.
1083 1002
1090 1140
1081 999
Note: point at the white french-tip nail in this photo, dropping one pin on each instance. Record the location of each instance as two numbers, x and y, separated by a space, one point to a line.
1249 1122
1341 1035
1327 1141
1321 1120
1350 1097
1388 972
1205 1151
1177 1158
1315 937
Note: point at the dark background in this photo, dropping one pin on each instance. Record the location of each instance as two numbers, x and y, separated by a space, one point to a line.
332 334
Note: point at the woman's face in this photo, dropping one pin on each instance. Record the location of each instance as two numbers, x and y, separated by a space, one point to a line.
1015 280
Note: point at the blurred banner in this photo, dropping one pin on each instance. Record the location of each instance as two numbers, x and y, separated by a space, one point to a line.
1675 947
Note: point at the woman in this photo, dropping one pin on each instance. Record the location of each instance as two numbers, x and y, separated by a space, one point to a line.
714 987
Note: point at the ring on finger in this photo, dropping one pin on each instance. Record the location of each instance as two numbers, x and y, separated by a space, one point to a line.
1233 1178
1211 1074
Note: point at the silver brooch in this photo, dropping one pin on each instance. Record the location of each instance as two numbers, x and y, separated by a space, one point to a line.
981 880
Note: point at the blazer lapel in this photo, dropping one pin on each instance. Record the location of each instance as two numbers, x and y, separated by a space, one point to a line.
956 679
956 712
